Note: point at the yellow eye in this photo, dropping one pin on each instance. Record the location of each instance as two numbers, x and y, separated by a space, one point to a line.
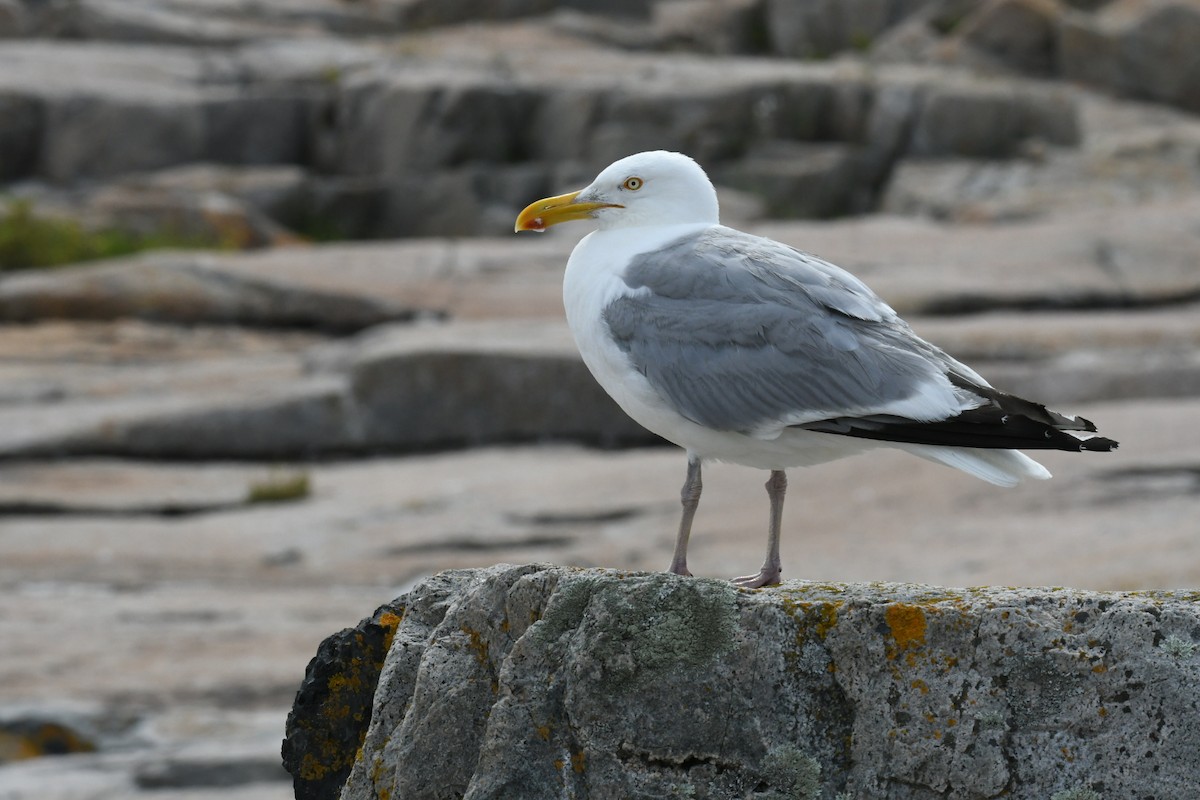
632 184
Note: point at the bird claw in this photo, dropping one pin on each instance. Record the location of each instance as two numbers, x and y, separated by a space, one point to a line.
765 577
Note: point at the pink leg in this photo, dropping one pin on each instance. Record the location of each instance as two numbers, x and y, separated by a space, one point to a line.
690 495
772 568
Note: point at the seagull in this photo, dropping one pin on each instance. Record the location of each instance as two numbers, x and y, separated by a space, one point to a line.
741 349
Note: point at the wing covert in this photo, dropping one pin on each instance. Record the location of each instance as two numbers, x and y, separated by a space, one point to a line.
743 334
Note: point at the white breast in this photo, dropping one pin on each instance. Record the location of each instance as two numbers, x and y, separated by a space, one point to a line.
594 278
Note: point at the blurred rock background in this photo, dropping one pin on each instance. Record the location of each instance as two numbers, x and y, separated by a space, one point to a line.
269 352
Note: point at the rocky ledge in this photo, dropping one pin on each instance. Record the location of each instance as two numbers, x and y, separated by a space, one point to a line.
545 682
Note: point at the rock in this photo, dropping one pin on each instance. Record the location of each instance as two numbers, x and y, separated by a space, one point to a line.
26 737
1119 257
712 26
652 684
608 31
804 181
1140 49
981 119
1020 34
89 136
21 128
298 420
333 707
103 489
1126 166
469 385
105 110
398 389
914 41
820 29
184 289
155 214
145 22
278 192
259 127
213 22
13 21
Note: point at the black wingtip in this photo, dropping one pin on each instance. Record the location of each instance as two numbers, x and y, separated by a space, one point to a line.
1098 444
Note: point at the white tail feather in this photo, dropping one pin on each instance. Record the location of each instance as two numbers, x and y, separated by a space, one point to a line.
1001 467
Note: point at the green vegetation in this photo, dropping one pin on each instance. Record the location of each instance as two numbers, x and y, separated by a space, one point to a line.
280 488
28 240
861 41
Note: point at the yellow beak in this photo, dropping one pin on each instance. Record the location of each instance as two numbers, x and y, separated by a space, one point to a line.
542 214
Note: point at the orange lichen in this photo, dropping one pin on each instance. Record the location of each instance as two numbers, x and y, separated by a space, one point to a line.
543 732
908 626
478 644
816 617
920 686
311 769
390 623
578 762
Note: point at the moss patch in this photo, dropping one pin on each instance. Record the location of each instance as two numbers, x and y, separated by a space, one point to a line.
29 240
280 488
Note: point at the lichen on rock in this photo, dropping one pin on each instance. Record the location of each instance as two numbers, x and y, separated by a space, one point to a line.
546 682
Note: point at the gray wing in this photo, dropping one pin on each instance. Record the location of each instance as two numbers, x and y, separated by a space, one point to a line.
742 333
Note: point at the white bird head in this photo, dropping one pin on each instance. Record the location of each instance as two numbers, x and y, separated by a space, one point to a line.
653 188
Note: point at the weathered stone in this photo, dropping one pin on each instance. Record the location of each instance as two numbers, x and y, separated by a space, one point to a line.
821 29
33 737
797 181
913 41
401 123
186 289
991 119
1021 34
298 420
609 31
700 25
646 685
1140 49
263 127
21 128
120 20
278 191
91 135
211 22
333 707
13 19
468 385
712 26
1137 169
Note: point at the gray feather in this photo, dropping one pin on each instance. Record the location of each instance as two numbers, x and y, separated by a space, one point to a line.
740 333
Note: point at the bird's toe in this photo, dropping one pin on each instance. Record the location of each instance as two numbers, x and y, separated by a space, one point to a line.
765 577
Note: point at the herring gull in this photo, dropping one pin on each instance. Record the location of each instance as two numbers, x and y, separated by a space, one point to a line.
739 348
